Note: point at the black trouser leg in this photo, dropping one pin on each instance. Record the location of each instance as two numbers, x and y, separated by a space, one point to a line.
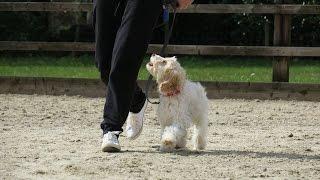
106 23
138 100
130 45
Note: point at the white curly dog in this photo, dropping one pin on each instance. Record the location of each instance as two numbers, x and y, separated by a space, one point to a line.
182 104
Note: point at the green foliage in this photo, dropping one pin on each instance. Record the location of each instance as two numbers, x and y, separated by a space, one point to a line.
243 29
23 26
217 29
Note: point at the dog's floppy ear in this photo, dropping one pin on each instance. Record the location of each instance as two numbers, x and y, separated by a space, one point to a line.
170 81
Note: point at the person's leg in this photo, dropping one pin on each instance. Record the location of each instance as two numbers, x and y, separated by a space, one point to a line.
138 100
106 22
130 46
109 20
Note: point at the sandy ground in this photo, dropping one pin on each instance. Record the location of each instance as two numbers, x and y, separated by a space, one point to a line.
58 137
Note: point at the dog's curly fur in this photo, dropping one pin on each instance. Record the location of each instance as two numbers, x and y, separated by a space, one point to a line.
182 104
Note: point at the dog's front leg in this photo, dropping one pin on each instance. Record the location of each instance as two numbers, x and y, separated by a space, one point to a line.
168 139
173 137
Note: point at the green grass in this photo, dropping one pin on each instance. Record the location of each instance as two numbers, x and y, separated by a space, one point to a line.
198 68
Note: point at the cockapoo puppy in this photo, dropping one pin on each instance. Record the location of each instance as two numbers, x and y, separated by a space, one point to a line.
182 104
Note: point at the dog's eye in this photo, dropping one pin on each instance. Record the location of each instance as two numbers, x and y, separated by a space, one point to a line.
163 62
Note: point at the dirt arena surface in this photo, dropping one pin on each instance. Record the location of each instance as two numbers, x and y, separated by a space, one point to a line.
58 137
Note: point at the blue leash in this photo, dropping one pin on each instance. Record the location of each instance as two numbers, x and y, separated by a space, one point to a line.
166 18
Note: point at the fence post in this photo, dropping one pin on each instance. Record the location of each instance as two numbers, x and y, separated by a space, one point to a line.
282 37
266 34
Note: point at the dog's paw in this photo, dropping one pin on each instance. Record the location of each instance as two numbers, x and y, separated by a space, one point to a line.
199 143
199 147
168 143
167 146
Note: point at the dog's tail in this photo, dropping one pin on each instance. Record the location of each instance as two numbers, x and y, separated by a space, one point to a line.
201 90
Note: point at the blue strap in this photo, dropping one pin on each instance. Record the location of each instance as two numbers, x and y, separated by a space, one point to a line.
166 16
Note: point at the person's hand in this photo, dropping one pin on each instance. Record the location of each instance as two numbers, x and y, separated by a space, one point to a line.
184 4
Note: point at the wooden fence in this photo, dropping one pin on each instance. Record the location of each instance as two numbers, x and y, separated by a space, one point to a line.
215 90
196 8
280 51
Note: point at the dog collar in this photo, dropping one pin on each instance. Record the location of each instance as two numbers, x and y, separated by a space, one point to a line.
172 93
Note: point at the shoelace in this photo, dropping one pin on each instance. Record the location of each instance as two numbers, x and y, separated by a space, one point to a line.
110 137
113 136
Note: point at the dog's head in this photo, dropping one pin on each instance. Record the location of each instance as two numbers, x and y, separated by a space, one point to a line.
168 73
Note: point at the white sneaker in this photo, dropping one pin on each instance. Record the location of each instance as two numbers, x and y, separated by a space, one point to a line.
110 142
135 123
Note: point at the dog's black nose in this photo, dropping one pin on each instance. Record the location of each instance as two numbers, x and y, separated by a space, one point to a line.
150 64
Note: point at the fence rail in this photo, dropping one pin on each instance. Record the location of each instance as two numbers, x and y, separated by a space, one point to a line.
197 8
95 88
172 49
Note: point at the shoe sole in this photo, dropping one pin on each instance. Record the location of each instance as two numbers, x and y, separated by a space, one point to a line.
110 149
139 133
